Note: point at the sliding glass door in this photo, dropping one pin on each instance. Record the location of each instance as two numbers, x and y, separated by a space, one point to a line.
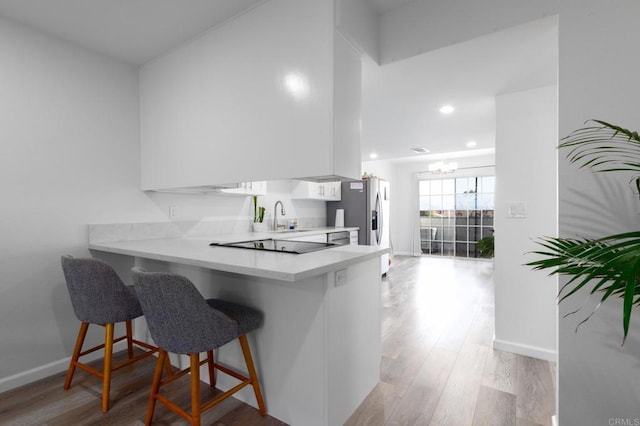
455 213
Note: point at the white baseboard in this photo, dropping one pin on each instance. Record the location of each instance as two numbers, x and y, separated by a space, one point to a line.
37 373
526 350
554 420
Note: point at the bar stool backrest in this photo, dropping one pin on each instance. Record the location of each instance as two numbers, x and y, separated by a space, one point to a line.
179 319
97 294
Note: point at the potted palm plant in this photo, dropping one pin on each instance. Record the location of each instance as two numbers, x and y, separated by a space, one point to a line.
608 266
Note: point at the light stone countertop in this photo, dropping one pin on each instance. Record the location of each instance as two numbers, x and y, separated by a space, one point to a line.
196 251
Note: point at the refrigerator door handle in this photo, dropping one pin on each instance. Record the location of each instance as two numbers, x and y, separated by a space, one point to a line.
379 221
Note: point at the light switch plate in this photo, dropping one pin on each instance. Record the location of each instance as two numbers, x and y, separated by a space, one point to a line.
517 209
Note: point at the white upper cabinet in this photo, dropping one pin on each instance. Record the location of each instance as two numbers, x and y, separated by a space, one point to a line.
327 191
272 94
247 188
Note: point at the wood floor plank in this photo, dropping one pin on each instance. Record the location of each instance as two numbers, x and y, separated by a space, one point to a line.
501 371
482 326
454 336
377 406
401 371
418 403
458 400
535 396
495 408
525 422
554 376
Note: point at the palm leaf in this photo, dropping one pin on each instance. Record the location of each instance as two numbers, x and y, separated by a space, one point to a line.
604 147
608 266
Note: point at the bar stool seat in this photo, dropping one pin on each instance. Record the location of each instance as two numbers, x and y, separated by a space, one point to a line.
181 321
99 296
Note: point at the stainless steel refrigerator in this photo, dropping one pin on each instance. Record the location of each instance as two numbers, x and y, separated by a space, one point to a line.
366 205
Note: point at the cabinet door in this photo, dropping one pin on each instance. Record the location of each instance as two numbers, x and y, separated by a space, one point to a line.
328 191
302 190
334 191
247 188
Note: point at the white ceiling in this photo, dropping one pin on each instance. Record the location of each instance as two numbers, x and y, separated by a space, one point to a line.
400 100
132 31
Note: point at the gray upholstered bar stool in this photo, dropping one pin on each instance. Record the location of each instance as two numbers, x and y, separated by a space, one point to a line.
181 321
99 297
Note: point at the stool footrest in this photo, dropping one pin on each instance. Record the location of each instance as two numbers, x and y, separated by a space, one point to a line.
197 408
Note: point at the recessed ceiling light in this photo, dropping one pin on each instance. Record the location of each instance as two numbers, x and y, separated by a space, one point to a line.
419 150
471 144
447 109
373 155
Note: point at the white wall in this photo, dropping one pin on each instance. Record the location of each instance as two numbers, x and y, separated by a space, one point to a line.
425 25
402 177
526 171
70 156
598 378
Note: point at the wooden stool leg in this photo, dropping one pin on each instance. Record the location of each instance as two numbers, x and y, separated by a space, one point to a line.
82 333
168 365
212 370
246 351
195 389
106 371
155 385
129 339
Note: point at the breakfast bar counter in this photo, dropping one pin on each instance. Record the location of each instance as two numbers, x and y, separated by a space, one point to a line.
318 353
196 251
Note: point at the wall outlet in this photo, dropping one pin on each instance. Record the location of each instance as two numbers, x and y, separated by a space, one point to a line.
173 211
341 277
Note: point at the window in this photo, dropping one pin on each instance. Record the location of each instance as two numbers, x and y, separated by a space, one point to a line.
455 213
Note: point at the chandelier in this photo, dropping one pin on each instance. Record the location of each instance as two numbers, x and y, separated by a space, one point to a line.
442 167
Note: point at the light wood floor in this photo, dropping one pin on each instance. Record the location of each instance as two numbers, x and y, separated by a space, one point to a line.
438 367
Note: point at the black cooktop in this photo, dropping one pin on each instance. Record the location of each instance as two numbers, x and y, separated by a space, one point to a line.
284 246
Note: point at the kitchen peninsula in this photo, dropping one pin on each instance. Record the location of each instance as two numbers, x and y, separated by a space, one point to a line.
318 352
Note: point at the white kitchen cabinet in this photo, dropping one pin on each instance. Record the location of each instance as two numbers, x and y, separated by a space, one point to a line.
241 189
353 238
247 188
271 94
326 191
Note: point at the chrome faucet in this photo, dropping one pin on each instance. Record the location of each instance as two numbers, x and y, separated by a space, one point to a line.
275 214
